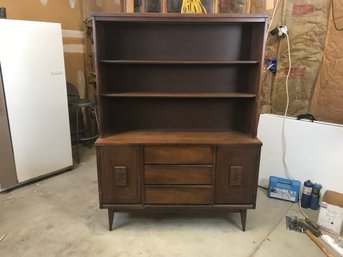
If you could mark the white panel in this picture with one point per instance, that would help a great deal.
(31, 57)
(314, 151)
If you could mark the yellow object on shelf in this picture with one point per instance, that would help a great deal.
(192, 6)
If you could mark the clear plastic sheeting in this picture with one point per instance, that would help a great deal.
(327, 104)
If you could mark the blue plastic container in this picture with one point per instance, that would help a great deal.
(284, 189)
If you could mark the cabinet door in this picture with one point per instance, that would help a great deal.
(236, 175)
(119, 174)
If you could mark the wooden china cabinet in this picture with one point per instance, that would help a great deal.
(178, 102)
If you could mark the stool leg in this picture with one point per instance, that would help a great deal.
(88, 128)
(77, 136)
(96, 120)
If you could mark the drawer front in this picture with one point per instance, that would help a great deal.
(178, 174)
(178, 155)
(178, 195)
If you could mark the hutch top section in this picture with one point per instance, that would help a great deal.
(181, 72)
(216, 38)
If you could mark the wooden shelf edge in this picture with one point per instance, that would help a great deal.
(208, 186)
(157, 137)
(180, 95)
(110, 61)
(178, 17)
(139, 207)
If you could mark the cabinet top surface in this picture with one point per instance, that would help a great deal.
(178, 137)
(175, 17)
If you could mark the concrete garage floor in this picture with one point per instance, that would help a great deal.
(59, 216)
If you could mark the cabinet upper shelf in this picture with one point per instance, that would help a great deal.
(177, 62)
(181, 95)
(180, 39)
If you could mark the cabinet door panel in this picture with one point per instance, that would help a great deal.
(236, 175)
(119, 174)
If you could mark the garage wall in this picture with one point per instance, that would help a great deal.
(102, 6)
(307, 24)
(316, 79)
(67, 12)
(327, 103)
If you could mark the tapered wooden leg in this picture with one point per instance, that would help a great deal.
(243, 218)
(110, 218)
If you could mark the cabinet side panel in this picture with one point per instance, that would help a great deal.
(257, 53)
(8, 175)
(98, 38)
(119, 174)
(236, 175)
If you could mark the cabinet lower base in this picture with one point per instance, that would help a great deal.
(243, 214)
(178, 177)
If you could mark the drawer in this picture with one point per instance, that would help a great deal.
(178, 195)
(178, 174)
(178, 155)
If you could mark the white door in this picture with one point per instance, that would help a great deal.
(32, 64)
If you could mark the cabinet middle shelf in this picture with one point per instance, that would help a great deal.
(179, 95)
(179, 62)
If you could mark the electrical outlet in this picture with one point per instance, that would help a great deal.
(279, 31)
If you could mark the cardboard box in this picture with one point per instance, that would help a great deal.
(331, 212)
